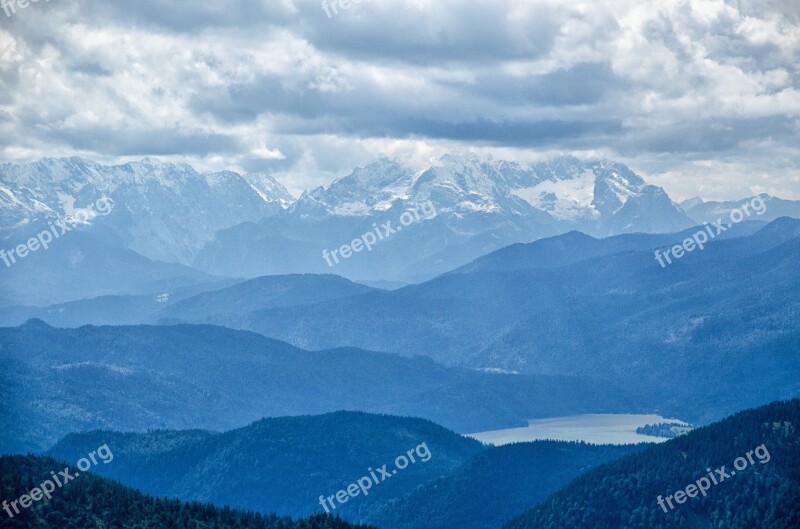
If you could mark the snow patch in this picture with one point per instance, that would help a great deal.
(351, 209)
(563, 199)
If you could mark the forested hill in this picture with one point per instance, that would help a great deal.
(95, 502)
(510, 479)
(623, 494)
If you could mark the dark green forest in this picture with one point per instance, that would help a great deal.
(92, 502)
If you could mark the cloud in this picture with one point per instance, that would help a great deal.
(277, 85)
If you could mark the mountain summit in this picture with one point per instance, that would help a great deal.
(481, 204)
(164, 211)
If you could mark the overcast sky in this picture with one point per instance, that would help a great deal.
(699, 96)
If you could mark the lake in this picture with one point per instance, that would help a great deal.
(595, 428)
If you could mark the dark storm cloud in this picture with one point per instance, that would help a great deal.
(582, 84)
(161, 142)
(711, 136)
(434, 32)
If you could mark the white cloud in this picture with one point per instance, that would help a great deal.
(701, 95)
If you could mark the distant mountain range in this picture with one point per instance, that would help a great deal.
(160, 216)
(56, 381)
(571, 305)
(163, 211)
(594, 307)
(481, 205)
(229, 225)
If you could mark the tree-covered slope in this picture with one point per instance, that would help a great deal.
(281, 465)
(624, 494)
(494, 485)
(92, 502)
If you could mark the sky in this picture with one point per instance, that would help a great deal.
(701, 97)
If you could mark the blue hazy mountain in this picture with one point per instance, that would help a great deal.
(702, 211)
(216, 303)
(624, 494)
(81, 264)
(203, 303)
(262, 293)
(57, 381)
(573, 247)
(618, 315)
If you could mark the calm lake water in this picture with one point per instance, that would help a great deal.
(598, 429)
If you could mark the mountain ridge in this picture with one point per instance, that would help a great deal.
(133, 378)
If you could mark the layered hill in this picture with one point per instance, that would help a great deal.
(220, 301)
(285, 464)
(602, 308)
(134, 378)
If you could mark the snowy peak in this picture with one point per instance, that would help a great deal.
(165, 211)
(572, 190)
(367, 189)
(269, 189)
(691, 203)
(651, 211)
(464, 184)
(564, 189)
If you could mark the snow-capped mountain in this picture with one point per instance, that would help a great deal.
(164, 211)
(481, 205)
(597, 196)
